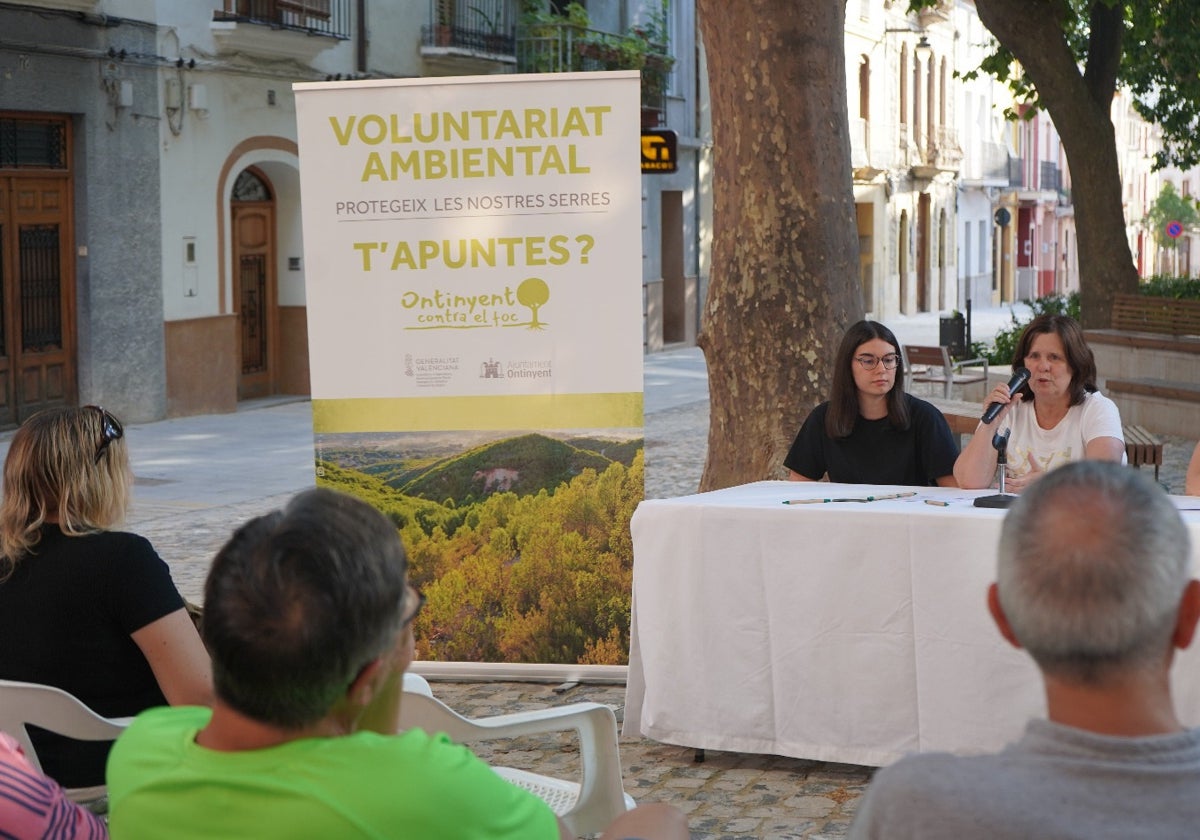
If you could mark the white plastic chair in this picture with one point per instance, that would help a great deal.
(587, 806)
(23, 704)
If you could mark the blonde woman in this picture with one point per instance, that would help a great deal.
(82, 607)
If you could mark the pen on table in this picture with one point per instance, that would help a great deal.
(860, 499)
(936, 502)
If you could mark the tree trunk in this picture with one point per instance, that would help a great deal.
(1080, 105)
(784, 282)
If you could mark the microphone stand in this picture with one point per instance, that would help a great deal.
(1001, 499)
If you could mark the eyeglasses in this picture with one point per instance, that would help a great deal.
(416, 609)
(889, 361)
(110, 430)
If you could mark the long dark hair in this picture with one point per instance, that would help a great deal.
(1079, 355)
(843, 399)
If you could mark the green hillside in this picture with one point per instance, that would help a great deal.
(522, 465)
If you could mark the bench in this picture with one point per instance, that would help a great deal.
(1148, 362)
(1162, 316)
(962, 416)
(1141, 447)
(924, 363)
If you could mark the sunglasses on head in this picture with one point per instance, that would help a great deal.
(110, 430)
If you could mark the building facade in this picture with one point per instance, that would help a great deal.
(151, 255)
(906, 155)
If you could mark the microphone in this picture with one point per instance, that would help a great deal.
(1019, 378)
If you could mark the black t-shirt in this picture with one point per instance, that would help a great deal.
(875, 452)
(66, 617)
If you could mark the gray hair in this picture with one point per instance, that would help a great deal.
(298, 602)
(1093, 560)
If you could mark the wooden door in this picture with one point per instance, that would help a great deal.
(37, 329)
(257, 309)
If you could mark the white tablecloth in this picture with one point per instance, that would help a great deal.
(840, 632)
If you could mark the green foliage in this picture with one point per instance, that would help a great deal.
(1161, 66)
(539, 463)
(566, 42)
(1003, 348)
(1170, 286)
(540, 577)
(492, 24)
(1170, 206)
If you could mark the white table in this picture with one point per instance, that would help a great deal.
(839, 632)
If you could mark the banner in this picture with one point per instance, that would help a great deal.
(473, 282)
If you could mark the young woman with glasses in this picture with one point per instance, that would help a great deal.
(871, 431)
(87, 609)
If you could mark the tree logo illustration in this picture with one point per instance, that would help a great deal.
(533, 293)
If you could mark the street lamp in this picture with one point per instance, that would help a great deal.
(923, 48)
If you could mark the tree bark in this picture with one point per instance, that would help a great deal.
(785, 276)
(1080, 106)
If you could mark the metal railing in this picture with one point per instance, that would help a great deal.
(1048, 176)
(1016, 172)
(316, 17)
(483, 26)
(566, 47)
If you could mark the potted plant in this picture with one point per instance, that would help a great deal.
(646, 50)
(494, 41)
(443, 31)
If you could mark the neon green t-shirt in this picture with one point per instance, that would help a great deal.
(162, 785)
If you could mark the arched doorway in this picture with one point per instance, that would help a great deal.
(252, 213)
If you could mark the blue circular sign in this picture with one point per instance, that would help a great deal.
(1174, 229)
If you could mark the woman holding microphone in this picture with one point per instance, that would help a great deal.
(1055, 417)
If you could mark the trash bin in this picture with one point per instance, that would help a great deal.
(952, 333)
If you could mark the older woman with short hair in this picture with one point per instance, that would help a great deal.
(1056, 417)
(90, 610)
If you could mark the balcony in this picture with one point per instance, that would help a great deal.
(560, 46)
(860, 151)
(465, 37)
(986, 165)
(938, 13)
(1048, 176)
(937, 152)
(1016, 172)
(944, 151)
(295, 29)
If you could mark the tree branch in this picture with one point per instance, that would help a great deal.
(1107, 32)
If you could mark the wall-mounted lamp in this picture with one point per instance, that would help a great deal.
(923, 48)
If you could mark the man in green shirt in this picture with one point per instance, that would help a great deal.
(308, 617)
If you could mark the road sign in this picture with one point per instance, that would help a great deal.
(1174, 229)
(1003, 217)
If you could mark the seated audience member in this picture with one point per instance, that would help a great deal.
(308, 614)
(1193, 473)
(1092, 581)
(1058, 416)
(870, 431)
(33, 807)
(90, 610)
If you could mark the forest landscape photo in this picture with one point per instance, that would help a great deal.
(519, 540)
